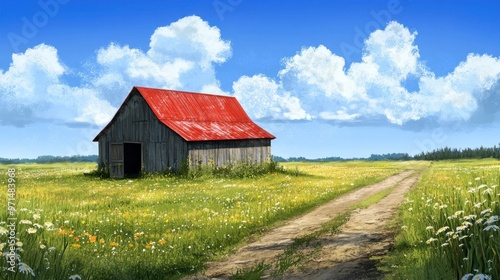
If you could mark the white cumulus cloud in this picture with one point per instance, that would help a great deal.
(262, 98)
(375, 87)
(181, 55)
(313, 84)
(32, 90)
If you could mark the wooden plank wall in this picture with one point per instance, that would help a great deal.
(161, 147)
(223, 153)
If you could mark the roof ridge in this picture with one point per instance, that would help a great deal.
(218, 117)
(186, 92)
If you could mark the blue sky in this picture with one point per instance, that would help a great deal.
(328, 78)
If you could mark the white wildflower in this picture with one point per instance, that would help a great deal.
(470, 217)
(491, 227)
(491, 220)
(458, 213)
(26, 269)
(486, 211)
(25, 222)
(430, 240)
(442, 229)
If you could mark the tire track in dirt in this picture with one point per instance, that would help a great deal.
(348, 255)
(273, 243)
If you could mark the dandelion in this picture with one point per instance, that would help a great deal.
(162, 241)
(138, 234)
(76, 245)
(63, 232)
(113, 244)
(26, 269)
(3, 231)
(442, 229)
(491, 220)
(31, 230)
(92, 238)
(101, 240)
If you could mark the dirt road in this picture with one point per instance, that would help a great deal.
(339, 255)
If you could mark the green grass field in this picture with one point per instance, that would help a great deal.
(70, 225)
(449, 224)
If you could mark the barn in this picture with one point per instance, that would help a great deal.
(156, 130)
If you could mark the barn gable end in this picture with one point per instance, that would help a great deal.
(159, 130)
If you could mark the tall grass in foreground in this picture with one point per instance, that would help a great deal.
(72, 226)
(450, 224)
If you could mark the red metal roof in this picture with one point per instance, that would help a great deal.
(201, 117)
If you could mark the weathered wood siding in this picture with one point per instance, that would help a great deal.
(223, 153)
(135, 122)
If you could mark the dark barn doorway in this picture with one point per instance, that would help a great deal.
(132, 159)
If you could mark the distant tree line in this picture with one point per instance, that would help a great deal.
(50, 159)
(436, 154)
(373, 157)
(467, 153)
